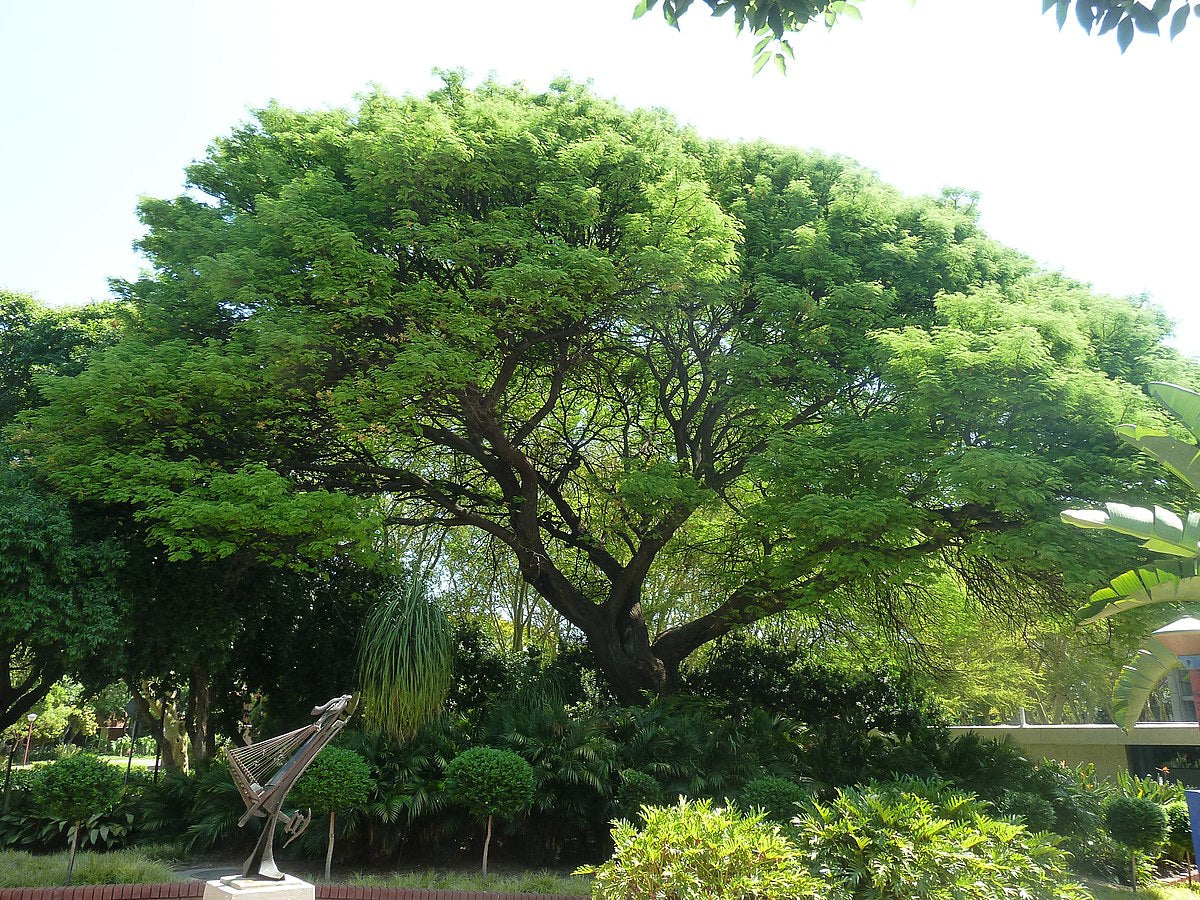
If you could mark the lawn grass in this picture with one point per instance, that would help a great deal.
(524, 883)
(1148, 892)
(20, 869)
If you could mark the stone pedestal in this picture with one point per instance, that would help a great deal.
(235, 887)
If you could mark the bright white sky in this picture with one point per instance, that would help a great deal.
(1085, 159)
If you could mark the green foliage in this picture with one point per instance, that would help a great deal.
(59, 605)
(1161, 792)
(1179, 829)
(405, 661)
(337, 780)
(1137, 822)
(693, 850)
(636, 790)
(78, 787)
(1036, 813)
(776, 798)
(23, 870)
(916, 838)
(490, 782)
(788, 681)
(628, 356)
(772, 21)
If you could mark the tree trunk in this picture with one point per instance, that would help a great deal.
(329, 849)
(199, 711)
(623, 653)
(74, 847)
(167, 732)
(486, 843)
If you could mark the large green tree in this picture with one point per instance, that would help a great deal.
(616, 349)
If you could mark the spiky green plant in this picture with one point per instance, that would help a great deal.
(405, 660)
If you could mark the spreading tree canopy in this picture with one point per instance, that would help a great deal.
(616, 349)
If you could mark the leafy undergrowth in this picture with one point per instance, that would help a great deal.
(524, 883)
(20, 869)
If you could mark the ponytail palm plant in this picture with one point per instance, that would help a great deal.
(1172, 584)
(405, 659)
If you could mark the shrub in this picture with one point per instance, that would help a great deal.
(76, 788)
(1137, 822)
(637, 789)
(919, 838)
(693, 850)
(778, 798)
(490, 782)
(337, 779)
(1179, 829)
(1036, 812)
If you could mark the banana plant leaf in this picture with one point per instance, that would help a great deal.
(1170, 581)
(1138, 679)
(1180, 457)
(1184, 404)
(1160, 529)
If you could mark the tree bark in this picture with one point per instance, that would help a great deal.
(171, 743)
(74, 847)
(486, 843)
(329, 849)
(199, 711)
(622, 650)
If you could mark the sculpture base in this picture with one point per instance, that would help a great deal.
(234, 886)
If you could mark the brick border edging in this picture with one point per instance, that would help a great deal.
(194, 890)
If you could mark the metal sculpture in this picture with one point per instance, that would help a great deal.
(265, 771)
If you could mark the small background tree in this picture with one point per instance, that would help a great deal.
(338, 779)
(1138, 823)
(490, 782)
(76, 788)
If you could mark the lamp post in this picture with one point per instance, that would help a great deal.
(29, 738)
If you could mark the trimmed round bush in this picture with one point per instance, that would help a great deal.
(75, 788)
(337, 779)
(637, 789)
(490, 783)
(693, 850)
(777, 798)
(1138, 823)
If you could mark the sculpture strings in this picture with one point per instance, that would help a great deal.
(265, 771)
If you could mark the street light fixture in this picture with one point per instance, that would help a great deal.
(31, 718)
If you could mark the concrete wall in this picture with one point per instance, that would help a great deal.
(1105, 745)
